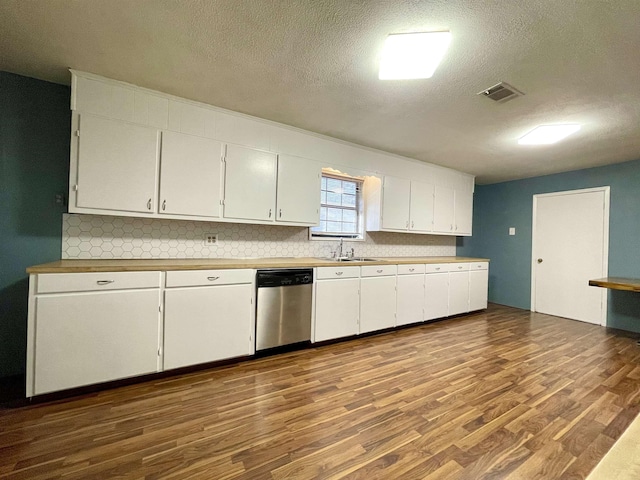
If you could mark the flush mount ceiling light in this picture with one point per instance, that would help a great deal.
(412, 55)
(548, 134)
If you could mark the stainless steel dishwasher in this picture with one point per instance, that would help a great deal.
(283, 307)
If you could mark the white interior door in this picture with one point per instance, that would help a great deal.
(570, 247)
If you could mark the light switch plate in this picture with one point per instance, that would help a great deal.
(512, 230)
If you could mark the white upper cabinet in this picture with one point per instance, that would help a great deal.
(142, 153)
(443, 210)
(250, 184)
(298, 196)
(117, 166)
(421, 208)
(190, 176)
(463, 212)
(395, 203)
(402, 205)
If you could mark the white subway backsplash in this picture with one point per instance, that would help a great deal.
(104, 237)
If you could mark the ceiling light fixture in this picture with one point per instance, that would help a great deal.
(412, 55)
(548, 134)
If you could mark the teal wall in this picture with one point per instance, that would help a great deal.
(34, 165)
(510, 204)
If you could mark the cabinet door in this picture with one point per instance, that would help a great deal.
(298, 198)
(443, 209)
(395, 203)
(458, 292)
(463, 212)
(190, 175)
(337, 308)
(95, 337)
(249, 184)
(436, 295)
(204, 324)
(117, 165)
(410, 305)
(377, 303)
(421, 206)
(478, 288)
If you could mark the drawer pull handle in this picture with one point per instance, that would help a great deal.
(379, 271)
(437, 268)
(212, 279)
(339, 273)
(104, 282)
(149, 205)
(459, 268)
(411, 269)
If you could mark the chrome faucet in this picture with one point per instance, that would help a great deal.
(339, 251)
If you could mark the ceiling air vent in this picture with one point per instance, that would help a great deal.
(501, 92)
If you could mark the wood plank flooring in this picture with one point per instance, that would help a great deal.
(498, 394)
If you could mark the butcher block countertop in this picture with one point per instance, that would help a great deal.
(617, 283)
(76, 266)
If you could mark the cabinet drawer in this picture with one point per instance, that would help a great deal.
(195, 278)
(324, 273)
(379, 270)
(479, 266)
(459, 267)
(412, 269)
(84, 282)
(436, 267)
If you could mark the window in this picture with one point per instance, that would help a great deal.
(340, 208)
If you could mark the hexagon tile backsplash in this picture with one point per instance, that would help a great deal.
(97, 236)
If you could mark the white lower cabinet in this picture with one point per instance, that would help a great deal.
(85, 338)
(377, 303)
(436, 292)
(87, 328)
(337, 304)
(478, 286)
(208, 316)
(458, 288)
(410, 294)
(205, 324)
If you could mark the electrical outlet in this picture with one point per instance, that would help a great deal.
(512, 230)
(210, 239)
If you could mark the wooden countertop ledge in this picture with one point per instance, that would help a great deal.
(77, 266)
(617, 283)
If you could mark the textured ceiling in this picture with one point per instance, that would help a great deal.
(313, 64)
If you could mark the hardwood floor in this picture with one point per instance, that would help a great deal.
(499, 394)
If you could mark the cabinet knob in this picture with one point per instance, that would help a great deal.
(539, 260)
(149, 204)
(164, 205)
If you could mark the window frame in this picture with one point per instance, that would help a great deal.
(360, 234)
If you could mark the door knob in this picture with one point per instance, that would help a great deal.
(539, 260)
